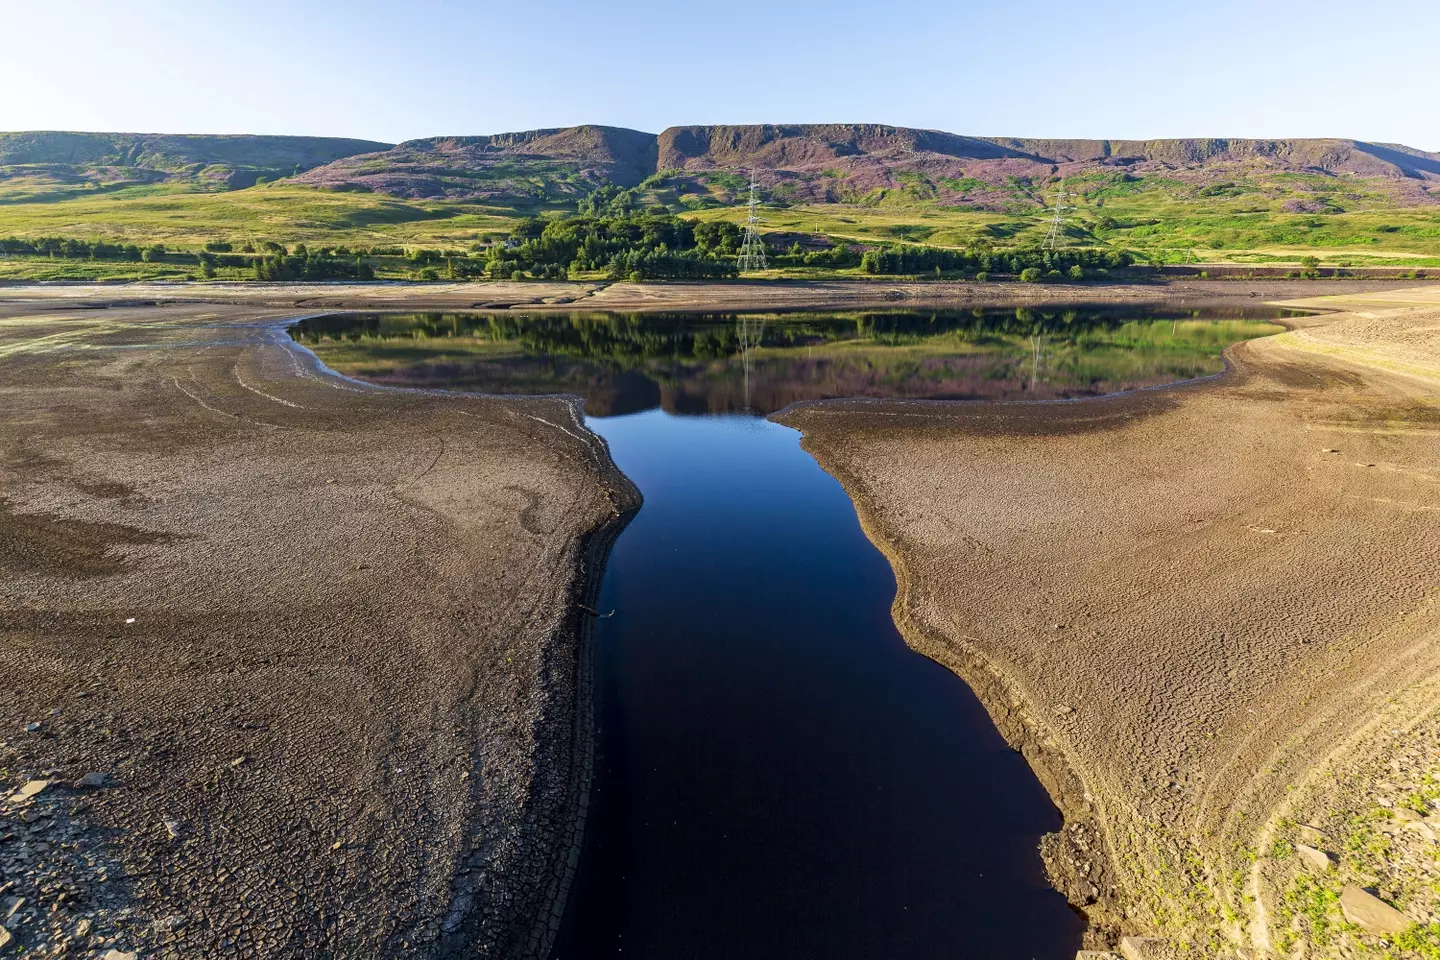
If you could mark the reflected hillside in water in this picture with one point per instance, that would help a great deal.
(693, 363)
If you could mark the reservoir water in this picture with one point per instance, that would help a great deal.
(777, 774)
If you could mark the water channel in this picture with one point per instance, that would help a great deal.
(778, 775)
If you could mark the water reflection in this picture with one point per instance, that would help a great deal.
(757, 363)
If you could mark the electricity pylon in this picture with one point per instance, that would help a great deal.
(1057, 219)
(752, 250)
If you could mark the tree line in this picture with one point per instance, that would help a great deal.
(644, 245)
(1027, 263)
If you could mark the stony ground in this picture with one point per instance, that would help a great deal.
(677, 295)
(287, 664)
(1180, 604)
(1366, 827)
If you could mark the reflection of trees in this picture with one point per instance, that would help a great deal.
(717, 336)
(705, 336)
(720, 362)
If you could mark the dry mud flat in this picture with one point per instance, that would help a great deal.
(1202, 613)
(287, 665)
(676, 295)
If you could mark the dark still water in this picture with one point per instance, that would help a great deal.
(778, 775)
(759, 363)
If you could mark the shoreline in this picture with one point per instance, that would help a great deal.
(595, 556)
(682, 296)
(849, 442)
(1087, 860)
(295, 550)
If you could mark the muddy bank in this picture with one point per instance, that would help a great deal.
(733, 295)
(295, 659)
(1178, 603)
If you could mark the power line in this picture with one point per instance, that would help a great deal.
(752, 250)
(1057, 219)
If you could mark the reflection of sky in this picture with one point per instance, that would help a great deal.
(769, 747)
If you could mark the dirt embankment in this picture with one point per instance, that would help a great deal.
(678, 295)
(1183, 605)
(289, 663)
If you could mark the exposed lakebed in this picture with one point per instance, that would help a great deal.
(777, 773)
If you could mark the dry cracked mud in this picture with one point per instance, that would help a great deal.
(319, 638)
(1183, 605)
(293, 666)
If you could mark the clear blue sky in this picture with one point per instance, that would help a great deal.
(391, 71)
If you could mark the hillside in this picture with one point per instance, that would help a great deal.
(535, 165)
(52, 165)
(1349, 202)
(871, 164)
(863, 163)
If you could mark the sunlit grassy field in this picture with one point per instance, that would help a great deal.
(1245, 223)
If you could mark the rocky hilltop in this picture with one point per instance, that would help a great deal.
(506, 167)
(840, 162)
(820, 163)
(698, 166)
(224, 162)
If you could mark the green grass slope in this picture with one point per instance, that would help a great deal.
(1347, 202)
(56, 165)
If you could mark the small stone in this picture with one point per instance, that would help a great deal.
(1385, 802)
(1096, 955)
(94, 780)
(1146, 948)
(12, 906)
(33, 726)
(1370, 913)
(1313, 835)
(1405, 815)
(237, 761)
(172, 827)
(1064, 709)
(5, 938)
(336, 845)
(32, 788)
(1422, 828)
(82, 929)
(1314, 858)
(113, 954)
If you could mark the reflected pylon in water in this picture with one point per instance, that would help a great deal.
(1037, 352)
(749, 330)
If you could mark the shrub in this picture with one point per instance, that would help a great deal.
(1077, 272)
(983, 276)
(1030, 275)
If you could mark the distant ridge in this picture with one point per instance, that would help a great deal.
(798, 163)
(843, 162)
(224, 161)
(528, 165)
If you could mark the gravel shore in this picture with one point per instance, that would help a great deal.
(290, 663)
(295, 666)
(1180, 604)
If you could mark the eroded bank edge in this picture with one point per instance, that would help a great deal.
(568, 670)
(1078, 857)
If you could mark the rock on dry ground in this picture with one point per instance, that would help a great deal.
(288, 663)
(1226, 583)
